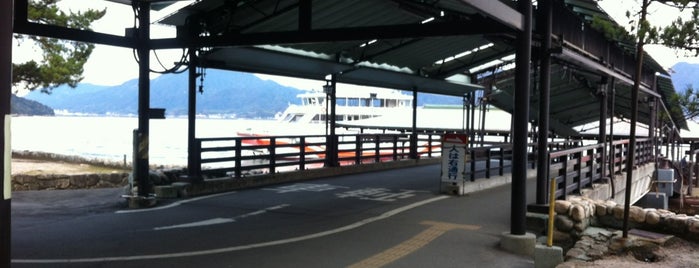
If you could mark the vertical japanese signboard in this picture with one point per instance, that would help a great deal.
(454, 157)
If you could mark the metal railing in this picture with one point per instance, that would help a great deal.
(241, 156)
(577, 168)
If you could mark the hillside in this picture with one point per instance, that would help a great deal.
(22, 106)
(232, 93)
(238, 94)
(684, 74)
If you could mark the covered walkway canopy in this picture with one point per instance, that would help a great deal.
(451, 47)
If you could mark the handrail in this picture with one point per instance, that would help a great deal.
(577, 168)
(240, 156)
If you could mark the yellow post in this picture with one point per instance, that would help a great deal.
(552, 204)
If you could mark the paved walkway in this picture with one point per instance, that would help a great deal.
(427, 230)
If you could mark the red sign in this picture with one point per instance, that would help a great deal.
(455, 138)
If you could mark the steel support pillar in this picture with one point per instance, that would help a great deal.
(413, 137)
(542, 165)
(331, 157)
(193, 149)
(143, 50)
(472, 135)
(518, 209)
(7, 18)
(603, 125)
(612, 155)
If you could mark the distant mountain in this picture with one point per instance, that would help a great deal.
(224, 92)
(684, 74)
(233, 93)
(22, 106)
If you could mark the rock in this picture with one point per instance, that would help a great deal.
(600, 209)
(577, 212)
(652, 217)
(595, 254)
(563, 223)
(580, 226)
(610, 209)
(693, 225)
(677, 224)
(559, 236)
(63, 183)
(637, 214)
(618, 212)
(562, 206)
(576, 254)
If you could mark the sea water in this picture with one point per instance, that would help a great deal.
(111, 138)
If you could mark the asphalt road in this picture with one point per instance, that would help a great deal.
(391, 218)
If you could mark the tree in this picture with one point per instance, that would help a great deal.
(687, 102)
(61, 60)
(681, 34)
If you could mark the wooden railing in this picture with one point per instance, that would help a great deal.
(577, 168)
(241, 156)
(500, 154)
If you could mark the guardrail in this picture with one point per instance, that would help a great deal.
(577, 168)
(240, 156)
(502, 154)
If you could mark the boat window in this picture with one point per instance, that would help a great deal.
(377, 103)
(312, 101)
(296, 117)
(365, 102)
(339, 118)
(354, 102)
(341, 102)
(316, 118)
(391, 103)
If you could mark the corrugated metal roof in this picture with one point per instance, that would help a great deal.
(403, 62)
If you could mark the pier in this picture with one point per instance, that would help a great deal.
(486, 52)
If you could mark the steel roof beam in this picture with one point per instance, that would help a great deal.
(332, 35)
(53, 31)
(599, 67)
(499, 11)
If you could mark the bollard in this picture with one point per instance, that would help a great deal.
(552, 203)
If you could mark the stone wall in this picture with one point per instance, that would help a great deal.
(62, 182)
(575, 216)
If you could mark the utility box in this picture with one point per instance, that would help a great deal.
(454, 158)
(666, 181)
(656, 200)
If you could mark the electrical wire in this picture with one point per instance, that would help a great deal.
(176, 68)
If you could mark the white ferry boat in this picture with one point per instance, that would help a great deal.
(350, 106)
(373, 108)
(355, 105)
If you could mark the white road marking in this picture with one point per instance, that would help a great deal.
(173, 204)
(238, 248)
(221, 220)
(304, 187)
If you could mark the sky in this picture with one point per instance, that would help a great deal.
(113, 66)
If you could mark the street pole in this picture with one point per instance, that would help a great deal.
(518, 209)
(542, 169)
(7, 17)
(141, 165)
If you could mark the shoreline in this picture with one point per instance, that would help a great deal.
(47, 171)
